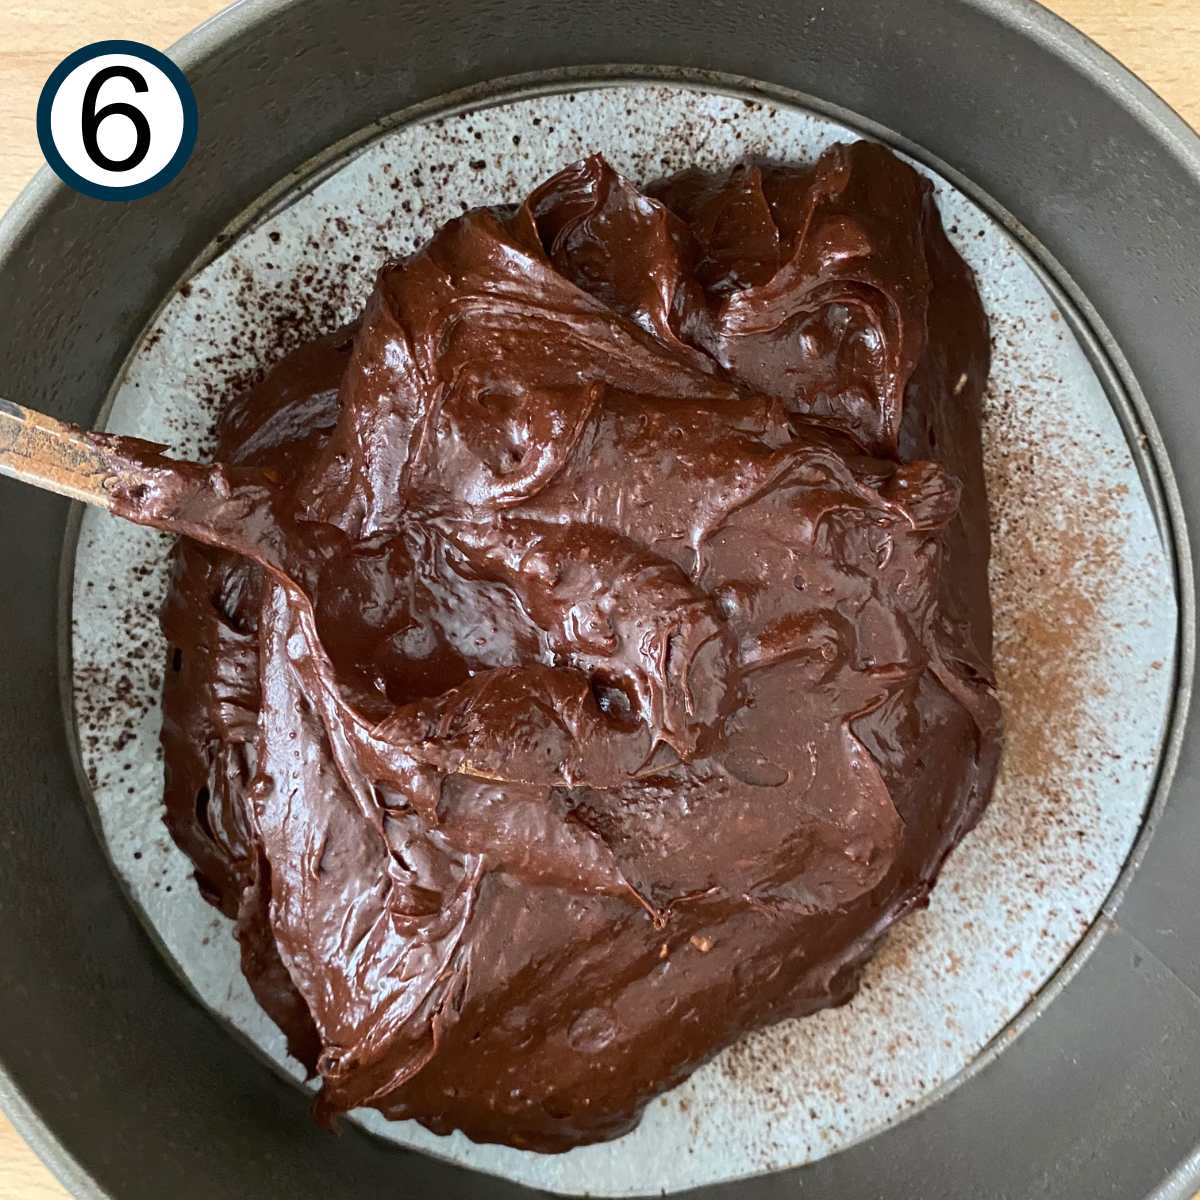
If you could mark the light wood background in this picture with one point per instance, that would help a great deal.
(1158, 39)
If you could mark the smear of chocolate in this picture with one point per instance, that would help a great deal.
(587, 657)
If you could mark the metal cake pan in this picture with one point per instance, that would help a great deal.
(130, 1089)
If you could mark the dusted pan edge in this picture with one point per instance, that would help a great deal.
(1048, 31)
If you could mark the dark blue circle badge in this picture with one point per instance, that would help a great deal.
(117, 120)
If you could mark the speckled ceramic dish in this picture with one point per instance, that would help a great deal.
(1085, 621)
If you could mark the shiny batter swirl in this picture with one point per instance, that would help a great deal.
(586, 657)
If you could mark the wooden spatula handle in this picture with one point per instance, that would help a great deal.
(51, 454)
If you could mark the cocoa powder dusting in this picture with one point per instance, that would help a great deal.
(1055, 529)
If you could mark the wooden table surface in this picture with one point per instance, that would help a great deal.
(1157, 39)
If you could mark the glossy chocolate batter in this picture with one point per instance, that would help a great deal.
(590, 654)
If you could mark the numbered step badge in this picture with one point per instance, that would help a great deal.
(117, 120)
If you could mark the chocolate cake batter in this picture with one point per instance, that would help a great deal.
(586, 658)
